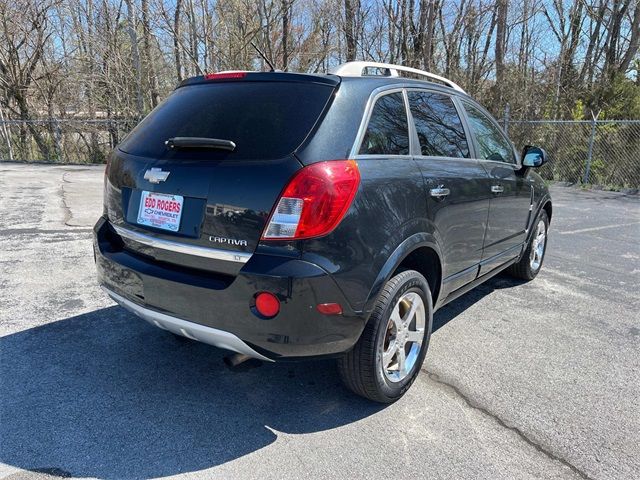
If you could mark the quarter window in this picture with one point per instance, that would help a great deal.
(492, 143)
(388, 131)
(438, 125)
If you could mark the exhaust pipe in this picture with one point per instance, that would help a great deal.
(239, 362)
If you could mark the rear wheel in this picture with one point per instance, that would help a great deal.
(531, 261)
(387, 358)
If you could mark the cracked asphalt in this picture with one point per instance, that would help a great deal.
(522, 380)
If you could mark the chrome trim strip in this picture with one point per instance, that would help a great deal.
(403, 87)
(215, 253)
(380, 156)
(195, 331)
(413, 134)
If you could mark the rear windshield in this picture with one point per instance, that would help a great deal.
(266, 120)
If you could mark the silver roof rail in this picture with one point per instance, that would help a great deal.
(356, 69)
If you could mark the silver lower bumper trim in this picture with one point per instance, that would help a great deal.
(215, 253)
(195, 331)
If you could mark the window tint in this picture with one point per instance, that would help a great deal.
(492, 143)
(438, 125)
(388, 131)
(266, 120)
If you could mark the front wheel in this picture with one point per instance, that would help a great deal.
(530, 263)
(389, 354)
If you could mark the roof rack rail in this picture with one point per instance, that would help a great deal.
(356, 69)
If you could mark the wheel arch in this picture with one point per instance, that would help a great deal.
(419, 252)
(547, 207)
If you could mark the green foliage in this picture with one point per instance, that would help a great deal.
(577, 113)
(618, 98)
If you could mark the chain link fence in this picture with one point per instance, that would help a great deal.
(598, 152)
(61, 141)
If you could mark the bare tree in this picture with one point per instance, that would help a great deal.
(118, 58)
(351, 8)
(25, 34)
(135, 55)
(151, 71)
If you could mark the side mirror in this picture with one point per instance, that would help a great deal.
(533, 156)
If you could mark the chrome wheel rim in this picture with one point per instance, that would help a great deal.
(403, 337)
(537, 246)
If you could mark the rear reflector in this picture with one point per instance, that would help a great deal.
(267, 304)
(329, 308)
(225, 76)
(315, 201)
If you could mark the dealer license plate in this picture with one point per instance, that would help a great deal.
(160, 210)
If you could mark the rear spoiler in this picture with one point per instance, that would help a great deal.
(243, 76)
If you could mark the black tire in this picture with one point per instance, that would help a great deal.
(523, 268)
(361, 369)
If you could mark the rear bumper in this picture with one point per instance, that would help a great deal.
(217, 308)
(212, 336)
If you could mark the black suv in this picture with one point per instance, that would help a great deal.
(282, 215)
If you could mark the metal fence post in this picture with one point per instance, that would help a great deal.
(7, 135)
(505, 120)
(587, 168)
(57, 134)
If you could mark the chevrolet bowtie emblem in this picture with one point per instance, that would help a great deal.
(156, 175)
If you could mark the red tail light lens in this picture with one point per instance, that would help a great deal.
(315, 201)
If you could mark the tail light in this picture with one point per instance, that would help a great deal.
(315, 201)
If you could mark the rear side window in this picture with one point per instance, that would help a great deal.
(492, 143)
(266, 120)
(438, 125)
(388, 130)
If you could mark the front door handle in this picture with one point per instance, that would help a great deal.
(497, 189)
(440, 192)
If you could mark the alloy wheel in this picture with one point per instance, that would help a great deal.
(537, 246)
(403, 337)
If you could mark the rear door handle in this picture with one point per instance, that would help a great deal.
(497, 189)
(439, 192)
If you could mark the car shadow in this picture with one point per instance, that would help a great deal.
(106, 395)
(450, 311)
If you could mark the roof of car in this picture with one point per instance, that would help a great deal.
(365, 82)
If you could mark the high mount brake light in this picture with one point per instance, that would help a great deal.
(225, 76)
(314, 201)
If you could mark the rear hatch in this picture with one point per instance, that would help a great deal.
(205, 206)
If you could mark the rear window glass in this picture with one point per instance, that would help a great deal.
(266, 120)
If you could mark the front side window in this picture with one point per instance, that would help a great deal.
(388, 130)
(438, 125)
(491, 142)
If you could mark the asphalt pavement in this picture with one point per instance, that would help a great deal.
(522, 380)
